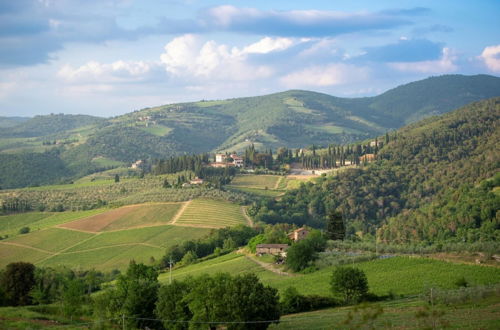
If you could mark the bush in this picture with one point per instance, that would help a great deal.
(350, 284)
(293, 302)
(24, 230)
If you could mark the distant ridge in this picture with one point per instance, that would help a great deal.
(293, 118)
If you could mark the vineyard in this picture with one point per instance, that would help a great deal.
(211, 214)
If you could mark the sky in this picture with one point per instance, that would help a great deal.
(110, 57)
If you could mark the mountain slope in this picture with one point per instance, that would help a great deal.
(293, 119)
(424, 185)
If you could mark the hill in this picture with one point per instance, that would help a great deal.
(293, 119)
(436, 180)
(11, 121)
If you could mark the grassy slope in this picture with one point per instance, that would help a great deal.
(211, 213)
(400, 275)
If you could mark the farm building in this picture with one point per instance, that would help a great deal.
(274, 249)
(196, 181)
(367, 158)
(299, 234)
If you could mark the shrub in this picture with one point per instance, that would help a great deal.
(24, 230)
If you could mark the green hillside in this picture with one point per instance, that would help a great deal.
(433, 181)
(293, 119)
(11, 121)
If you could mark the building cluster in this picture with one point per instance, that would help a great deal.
(280, 249)
(224, 160)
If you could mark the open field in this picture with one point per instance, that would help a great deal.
(399, 314)
(10, 224)
(256, 181)
(127, 217)
(211, 214)
(400, 275)
(52, 239)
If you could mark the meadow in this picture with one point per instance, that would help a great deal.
(256, 181)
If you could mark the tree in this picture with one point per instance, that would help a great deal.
(17, 282)
(135, 297)
(335, 228)
(349, 283)
(117, 178)
(300, 255)
(171, 305)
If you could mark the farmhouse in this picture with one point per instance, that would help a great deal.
(299, 234)
(367, 158)
(196, 181)
(137, 164)
(221, 160)
(237, 161)
(274, 249)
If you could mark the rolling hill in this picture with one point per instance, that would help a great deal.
(293, 119)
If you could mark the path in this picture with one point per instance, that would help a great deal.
(247, 217)
(267, 266)
(278, 183)
(179, 213)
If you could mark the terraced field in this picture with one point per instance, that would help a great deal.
(127, 217)
(207, 213)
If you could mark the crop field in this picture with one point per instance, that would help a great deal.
(400, 275)
(256, 181)
(157, 236)
(127, 217)
(52, 239)
(399, 314)
(211, 214)
(13, 253)
(105, 259)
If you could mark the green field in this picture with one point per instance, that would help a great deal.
(399, 314)
(52, 239)
(211, 214)
(255, 181)
(400, 275)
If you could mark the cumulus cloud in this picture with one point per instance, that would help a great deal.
(445, 64)
(329, 75)
(188, 55)
(491, 57)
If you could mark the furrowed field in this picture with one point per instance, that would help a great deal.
(211, 214)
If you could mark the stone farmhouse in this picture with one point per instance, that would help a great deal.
(299, 234)
(273, 249)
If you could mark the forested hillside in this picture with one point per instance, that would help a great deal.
(293, 119)
(434, 180)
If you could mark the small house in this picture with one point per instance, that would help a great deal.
(220, 158)
(298, 234)
(197, 181)
(273, 249)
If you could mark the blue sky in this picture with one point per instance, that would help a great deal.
(109, 57)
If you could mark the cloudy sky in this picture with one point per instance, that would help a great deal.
(108, 57)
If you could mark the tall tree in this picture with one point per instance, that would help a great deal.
(335, 228)
(17, 282)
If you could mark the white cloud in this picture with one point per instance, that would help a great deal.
(188, 56)
(491, 57)
(119, 71)
(330, 75)
(444, 65)
(268, 45)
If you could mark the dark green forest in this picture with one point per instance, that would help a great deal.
(433, 181)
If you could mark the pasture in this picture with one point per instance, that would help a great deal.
(210, 213)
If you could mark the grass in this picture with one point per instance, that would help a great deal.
(255, 181)
(52, 239)
(158, 130)
(211, 213)
(10, 253)
(127, 217)
(12, 223)
(159, 236)
(106, 162)
(399, 314)
(400, 275)
(105, 259)
(258, 191)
